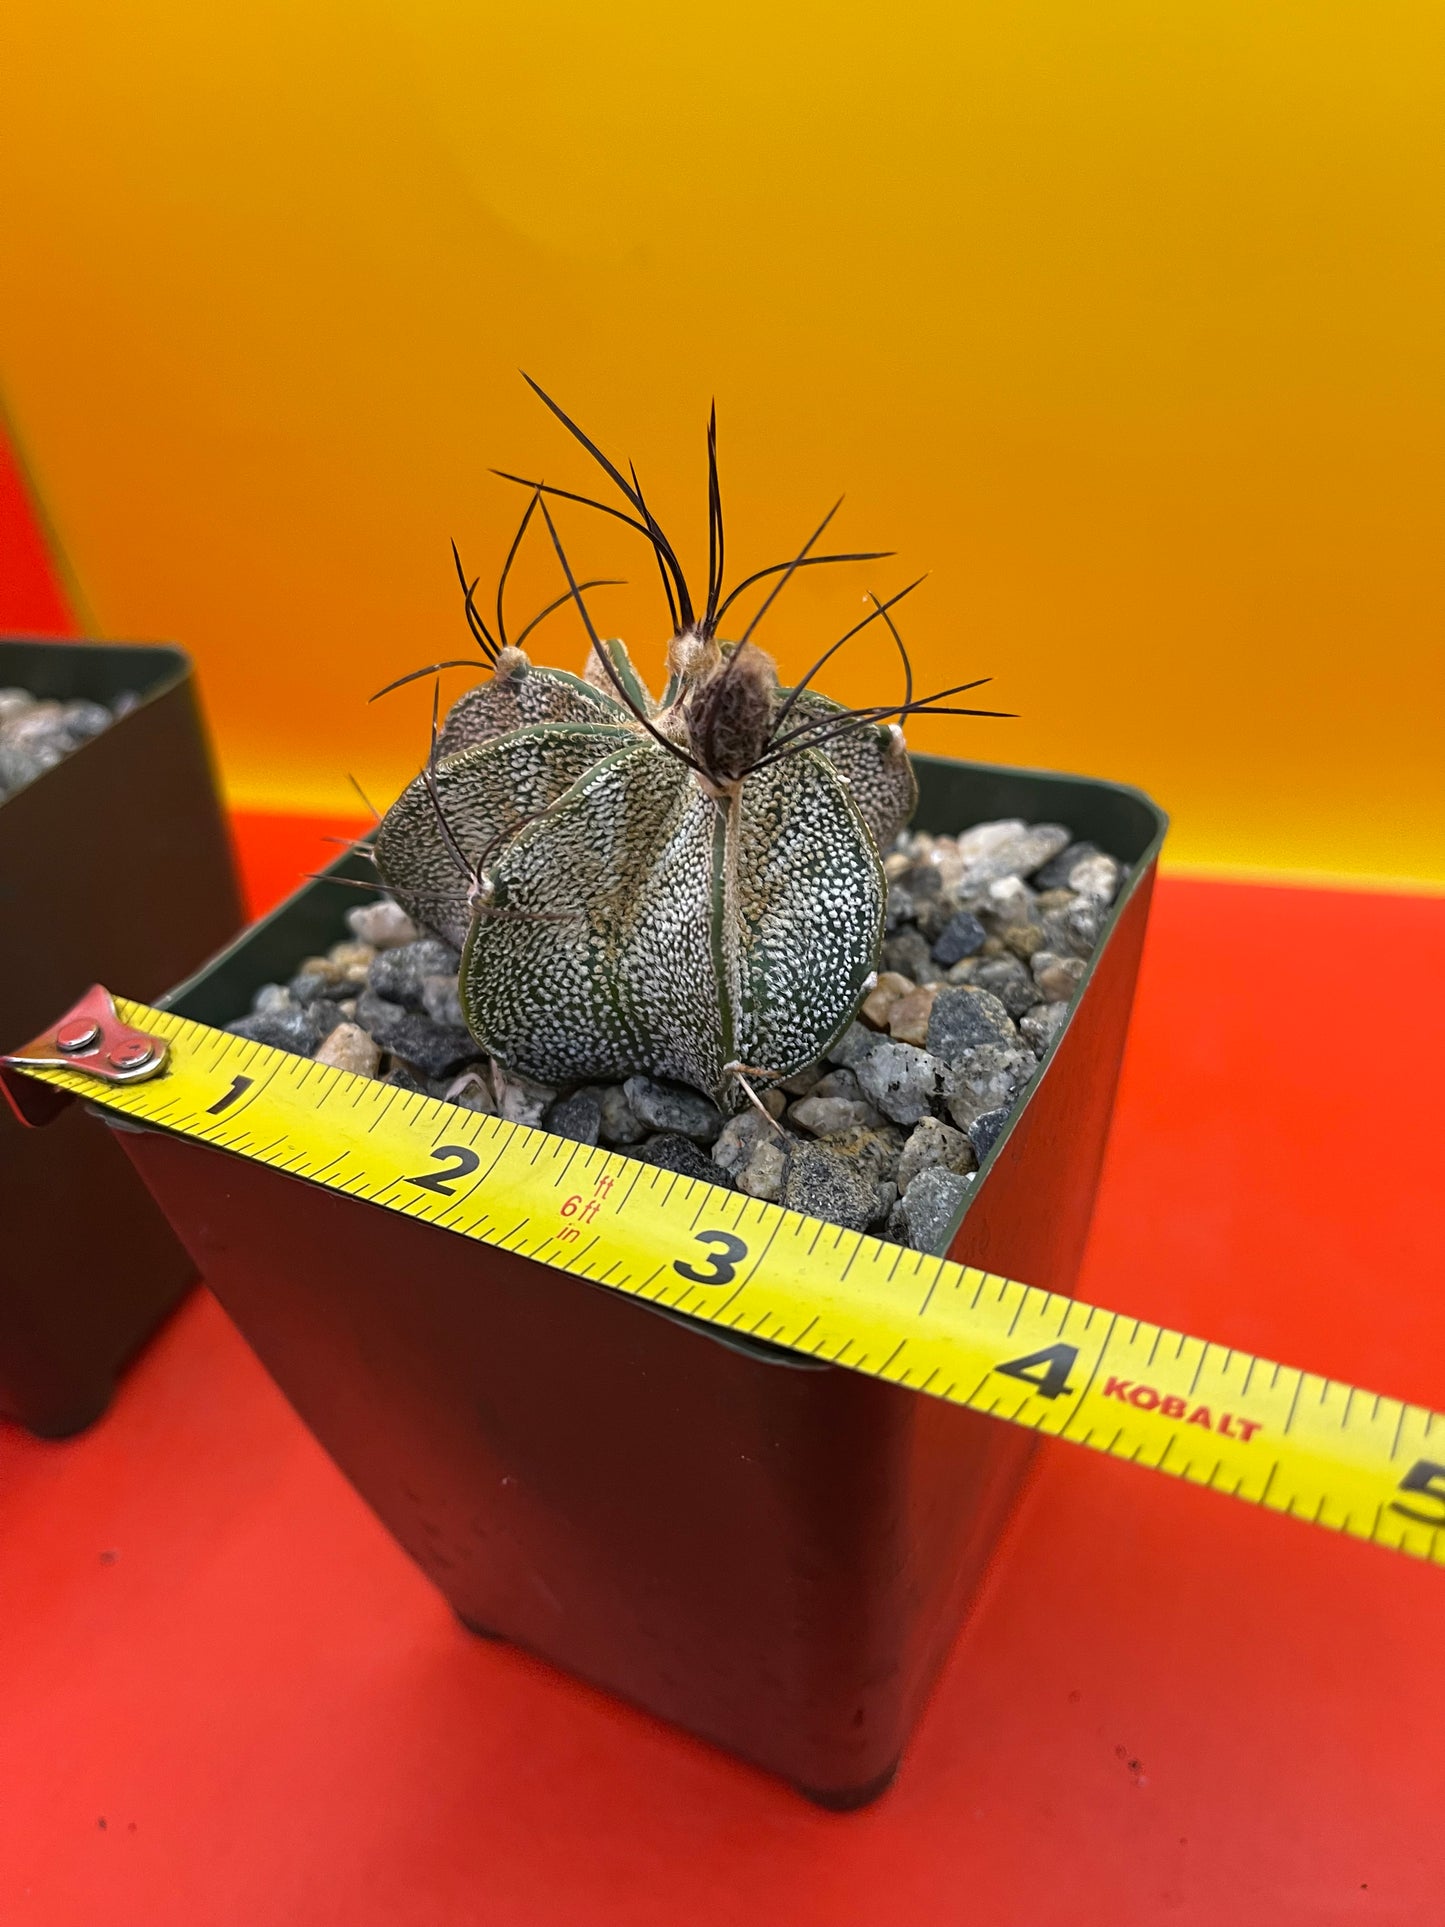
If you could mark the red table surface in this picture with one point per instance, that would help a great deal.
(226, 1697)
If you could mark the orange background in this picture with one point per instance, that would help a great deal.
(1123, 320)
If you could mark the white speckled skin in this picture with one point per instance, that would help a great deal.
(629, 913)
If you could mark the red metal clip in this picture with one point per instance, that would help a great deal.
(94, 1038)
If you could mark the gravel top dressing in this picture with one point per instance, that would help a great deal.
(989, 934)
(36, 734)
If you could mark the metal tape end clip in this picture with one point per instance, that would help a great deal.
(92, 1038)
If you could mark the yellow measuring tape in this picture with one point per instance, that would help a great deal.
(1353, 1461)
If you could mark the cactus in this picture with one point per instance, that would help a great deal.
(690, 888)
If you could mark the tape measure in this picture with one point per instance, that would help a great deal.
(1352, 1461)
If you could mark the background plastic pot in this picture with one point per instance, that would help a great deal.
(115, 867)
(773, 1553)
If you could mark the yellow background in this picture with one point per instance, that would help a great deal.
(1125, 320)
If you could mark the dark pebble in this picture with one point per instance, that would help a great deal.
(1055, 873)
(962, 1018)
(402, 1079)
(293, 1027)
(823, 1185)
(1011, 982)
(984, 1131)
(671, 1151)
(435, 1049)
(856, 1043)
(400, 975)
(930, 1205)
(960, 937)
(667, 1107)
(1042, 1025)
(372, 1010)
(578, 1116)
(308, 985)
(908, 953)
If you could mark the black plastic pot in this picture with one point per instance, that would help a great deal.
(114, 865)
(773, 1553)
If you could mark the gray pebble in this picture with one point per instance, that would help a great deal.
(1096, 879)
(307, 985)
(984, 1131)
(620, 1123)
(826, 1116)
(1057, 977)
(671, 1151)
(922, 881)
(1007, 905)
(1042, 1024)
(85, 720)
(957, 854)
(274, 997)
(384, 925)
(933, 1142)
(763, 1174)
(1018, 855)
(294, 1027)
(962, 1018)
(1073, 932)
(441, 1000)
(856, 1043)
(960, 937)
(739, 1138)
(900, 1079)
(400, 974)
(20, 764)
(986, 1077)
(842, 1082)
(1054, 875)
(930, 1205)
(42, 721)
(901, 907)
(673, 1107)
(822, 1184)
(1011, 982)
(578, 1116)
(909, 954)
(376, 1013)
(436, 1050)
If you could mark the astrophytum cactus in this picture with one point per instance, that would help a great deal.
(689, 888)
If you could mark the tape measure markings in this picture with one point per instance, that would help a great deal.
(1299, 1444)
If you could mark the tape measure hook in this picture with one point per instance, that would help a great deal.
(92, 1038)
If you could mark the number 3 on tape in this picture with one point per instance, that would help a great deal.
(722, 1264)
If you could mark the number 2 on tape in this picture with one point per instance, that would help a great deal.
(463, 1163)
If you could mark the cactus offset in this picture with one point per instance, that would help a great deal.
(692, 888)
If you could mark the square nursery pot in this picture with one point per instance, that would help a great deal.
(114, 865)
(773, 1553)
